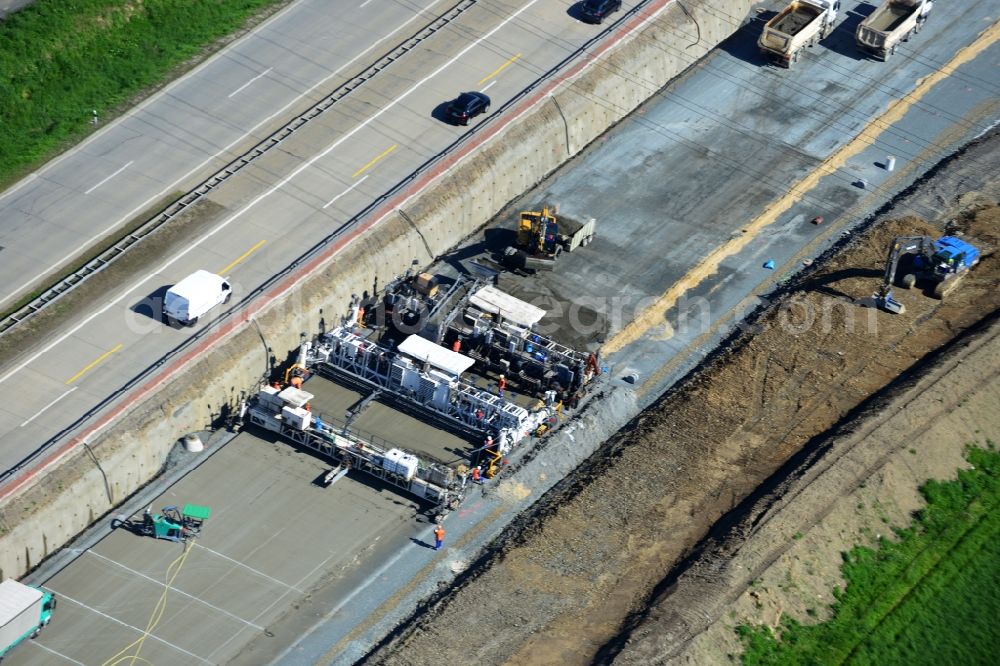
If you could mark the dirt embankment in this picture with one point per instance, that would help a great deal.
(784, 557)
(569, 577)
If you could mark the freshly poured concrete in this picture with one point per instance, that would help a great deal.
(385, 426)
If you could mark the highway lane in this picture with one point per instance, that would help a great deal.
(194, 126)
(287, 200)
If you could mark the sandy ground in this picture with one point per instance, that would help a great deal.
(575, 577)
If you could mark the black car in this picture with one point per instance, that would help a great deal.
(595, 11)
(466, 106)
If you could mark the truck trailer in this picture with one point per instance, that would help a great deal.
(802, 23)
(894, 22)
(24, 610)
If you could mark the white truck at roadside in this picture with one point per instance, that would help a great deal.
(195, 295)
(894, 22)
(24, 610)
(802, 23)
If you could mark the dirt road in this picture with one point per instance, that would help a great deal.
(571, 579)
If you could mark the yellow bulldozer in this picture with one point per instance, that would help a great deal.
(541, 238)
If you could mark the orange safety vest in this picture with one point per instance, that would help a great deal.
(475, 473)
(439, 533)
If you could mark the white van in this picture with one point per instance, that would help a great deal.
(193, 296)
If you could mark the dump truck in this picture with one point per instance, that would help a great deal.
(894, 22)
(802, 23)
(541, 238)
(24, 611)
(194, 296)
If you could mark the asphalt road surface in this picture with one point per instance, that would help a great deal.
(323, 175)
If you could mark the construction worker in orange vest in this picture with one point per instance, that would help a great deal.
(438, 537)
(477, 475)
(501, 384)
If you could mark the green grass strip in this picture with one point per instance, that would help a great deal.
(932, 597)
(62, 59)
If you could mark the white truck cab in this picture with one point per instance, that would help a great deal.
(195, 295)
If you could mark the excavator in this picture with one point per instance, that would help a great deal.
(942, 262)
(541, 238)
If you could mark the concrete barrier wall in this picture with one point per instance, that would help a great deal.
(538, 135)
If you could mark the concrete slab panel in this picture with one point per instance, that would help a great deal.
(273, 534)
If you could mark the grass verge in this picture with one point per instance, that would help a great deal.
(60, 60)
(930, 597)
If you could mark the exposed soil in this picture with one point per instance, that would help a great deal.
(569, 581)
(866, 481)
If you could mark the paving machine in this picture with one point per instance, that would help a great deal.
(541, 238)
(942, 262)
(172, 523)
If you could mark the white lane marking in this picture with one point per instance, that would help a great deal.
(169, 188)
(282, 596)
(327, 204)
(249, 568)
(129, 626)
(260, 197)
(174, 589)
(489, 85)
(242, 87)
(58, 654)
(24, 181)
(39, 412)
(130, 162)
(364, 3)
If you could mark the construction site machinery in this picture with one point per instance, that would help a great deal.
(467, 316)
(541, 238)
(284, 413)
(802, 23)
(941, 262)
(24, 611)
(894, 22)
(172, 523)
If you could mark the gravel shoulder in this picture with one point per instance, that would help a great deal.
(584, 575)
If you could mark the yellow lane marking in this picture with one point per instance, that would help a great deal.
(242, 257)
(93, 363)
(372, 163)
(655, 315)
(500, 69)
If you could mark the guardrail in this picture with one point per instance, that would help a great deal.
(106, 257)
(312, 251)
